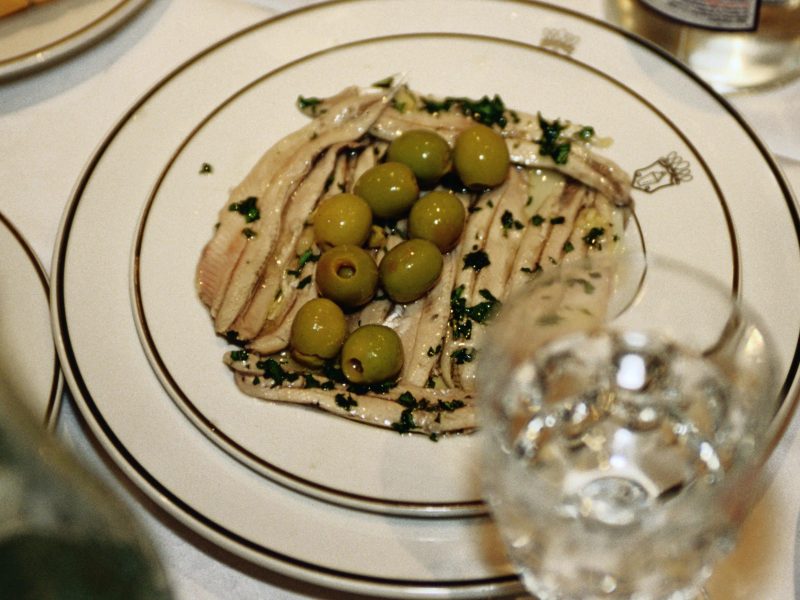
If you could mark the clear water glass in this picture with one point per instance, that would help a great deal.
(626, 410)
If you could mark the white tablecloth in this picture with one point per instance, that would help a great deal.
(50, 123)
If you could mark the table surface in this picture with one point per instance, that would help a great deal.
(43, 155)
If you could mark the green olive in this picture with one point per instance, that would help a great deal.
(347, 275)
(425, 152)
(372, 354)
(481, 157)
(389, 188)
(318, 331)
(342, 219)
(439, 218)
(410, 269)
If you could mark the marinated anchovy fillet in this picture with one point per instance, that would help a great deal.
(560, 200)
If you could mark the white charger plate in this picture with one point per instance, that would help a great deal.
(29, 371)
(700, 164)
(42, 34)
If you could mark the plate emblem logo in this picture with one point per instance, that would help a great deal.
(664, 172)
(559, 40)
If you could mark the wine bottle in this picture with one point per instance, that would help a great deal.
(737, 45)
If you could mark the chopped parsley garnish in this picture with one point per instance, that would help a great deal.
(568, 247)
(306, 257)
(462, 316)
(273, 370)
(334, 374)
(537, 268)
(551, 143)
(345, 402)
(507, 221)
(310, 104)
(551, 319)
(406, 422)
(407, 399)
(239, 355)
(384, 83)
(410, 404)
(248, 233)
(587, 285)
(594, 235)
(463, 355)
(247, 208)
(311, 381)
(489, 111)
(476, 260)
(557, 220)
(537, 220)
(304, 282)
(586, 133)
(434, 351)
(206, 169)
(232, 337)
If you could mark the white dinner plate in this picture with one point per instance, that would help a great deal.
(29, 371)
(166, 409)
(42, 34)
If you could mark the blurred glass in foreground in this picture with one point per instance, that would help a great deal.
(626, 414)
(63, 535)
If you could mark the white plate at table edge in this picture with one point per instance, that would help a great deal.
(177, 369)
(73, 33)
(43, 406)
(154, 488)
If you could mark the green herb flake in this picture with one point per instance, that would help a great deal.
(407, 399)
(463, 355)
(568, 247)
(247, 208)
(434, 351)
(557, 220)
(232, 337)
(537, 220)
(307, 257)
(536, 269)
(489, 111)
(586, 133)
(239, 355)
(398, 105)
(304, 282)
(345, 402)
(588, 288)
(384, 83)
(462, 316)
(248, 233)
(552, 143)
(273, 370)
(406, 422)
(549, 320)
(309, 104)
(507, 221)
(476, 260)
(593, 237)
(311, 381)
(206, 169)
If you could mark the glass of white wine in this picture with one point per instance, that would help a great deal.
(627, 407)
